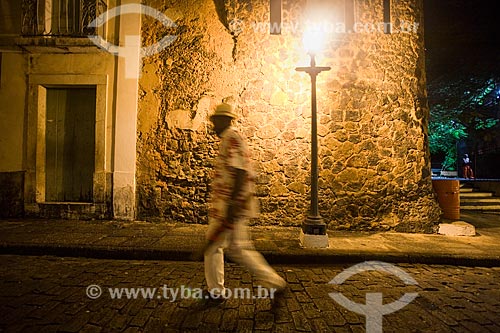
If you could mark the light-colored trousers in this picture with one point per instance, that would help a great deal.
(240, 249)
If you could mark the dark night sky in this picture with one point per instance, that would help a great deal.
(462, 36)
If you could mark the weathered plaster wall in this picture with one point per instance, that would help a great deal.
(12, 100)
(12, 119)
(374, 161)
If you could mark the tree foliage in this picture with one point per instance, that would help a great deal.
(462, 108)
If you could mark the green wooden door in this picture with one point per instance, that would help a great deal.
(70, 144)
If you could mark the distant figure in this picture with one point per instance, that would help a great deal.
(232, 203)
(468, 174)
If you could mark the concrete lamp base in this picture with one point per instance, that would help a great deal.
(458, 228)
(313, 241)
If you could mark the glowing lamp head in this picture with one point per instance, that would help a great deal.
(313, 40)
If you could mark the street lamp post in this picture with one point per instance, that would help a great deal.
(314, 225)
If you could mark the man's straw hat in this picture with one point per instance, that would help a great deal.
(225, 110)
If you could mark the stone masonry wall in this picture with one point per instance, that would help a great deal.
(372, 109)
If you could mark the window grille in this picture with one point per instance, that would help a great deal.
(61, 17)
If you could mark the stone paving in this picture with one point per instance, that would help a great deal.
(280, 245)
(49, 294)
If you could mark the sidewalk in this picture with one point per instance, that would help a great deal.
(167, 241)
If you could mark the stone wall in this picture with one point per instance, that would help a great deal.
(372, 108)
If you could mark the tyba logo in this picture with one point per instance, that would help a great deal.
(132, 51)
(373, 309)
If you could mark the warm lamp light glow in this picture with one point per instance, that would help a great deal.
(313, 40)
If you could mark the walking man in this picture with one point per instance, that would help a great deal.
(232, 203)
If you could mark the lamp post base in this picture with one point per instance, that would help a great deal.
(313, 241)
(314, 225)
(313, 233)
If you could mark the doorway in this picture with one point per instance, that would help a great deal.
(70, 144)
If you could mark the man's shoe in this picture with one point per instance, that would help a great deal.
(210, 299)
(279, 287)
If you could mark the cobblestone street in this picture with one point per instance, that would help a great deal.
(48, 294)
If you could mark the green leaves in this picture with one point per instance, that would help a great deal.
(443, 138)
(461, 108)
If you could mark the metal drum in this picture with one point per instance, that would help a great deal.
(448, 193)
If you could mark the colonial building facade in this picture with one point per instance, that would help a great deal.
(83, 137)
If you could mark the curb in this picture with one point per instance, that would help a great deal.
(294, 257)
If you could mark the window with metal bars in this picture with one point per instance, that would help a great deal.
(60, 17)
